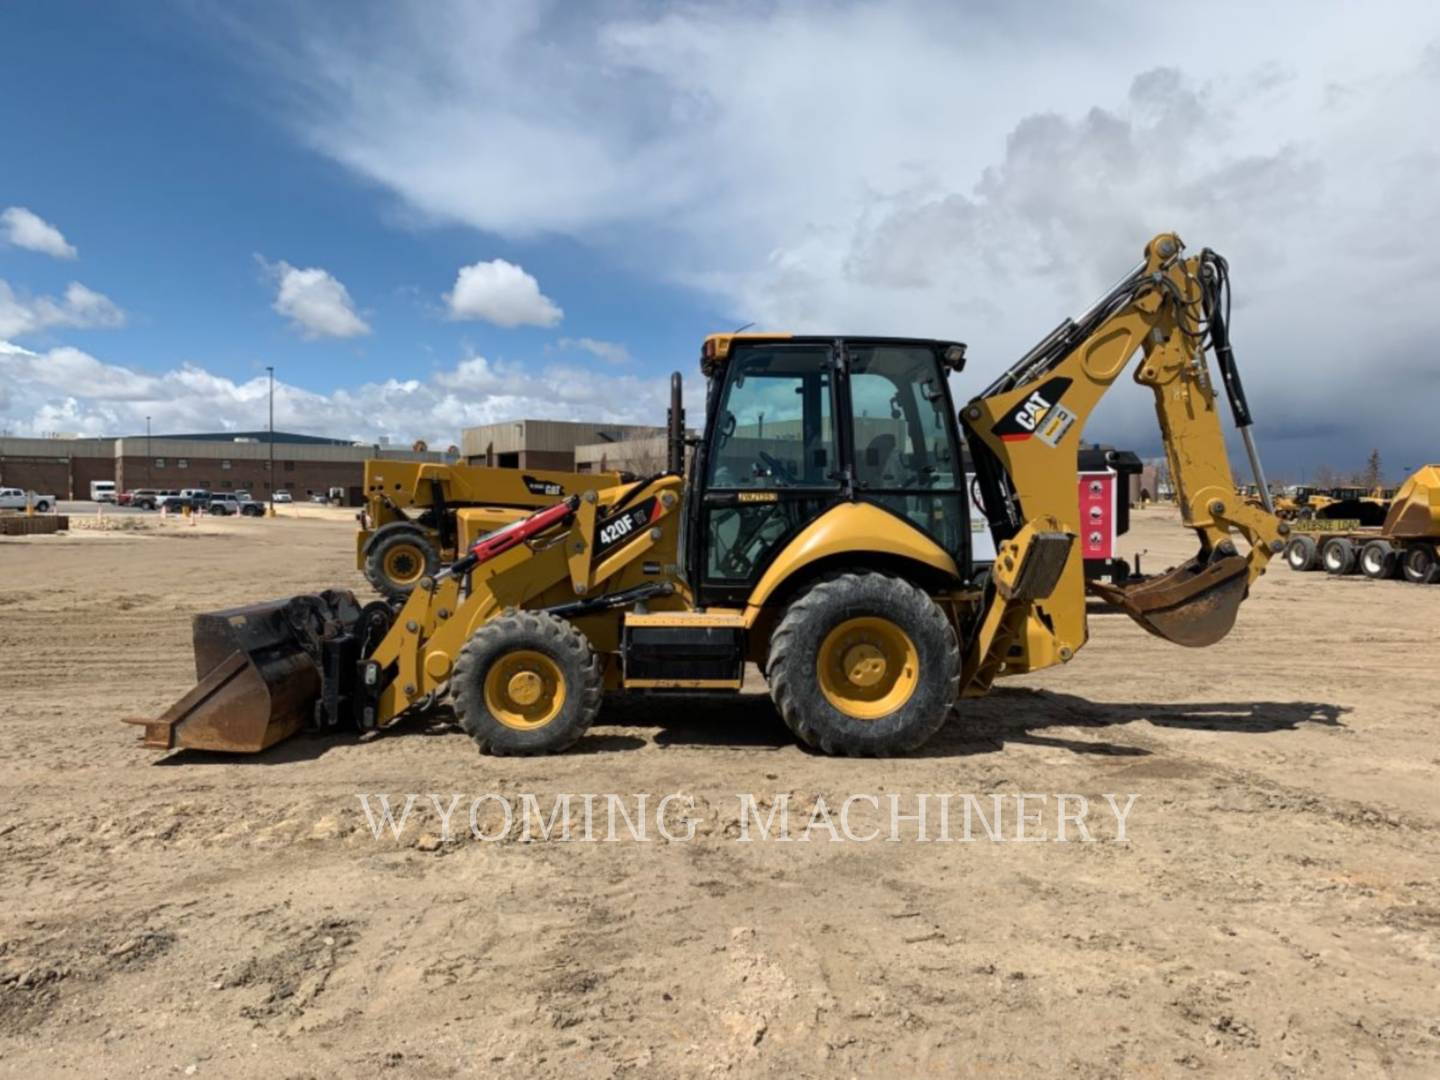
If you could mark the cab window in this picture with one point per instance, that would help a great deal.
(906, 457)
(774, 427)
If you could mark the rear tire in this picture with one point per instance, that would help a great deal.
(1339, 556)
(864, 664)
(1377, 560)
(526, 683)
(1302, 554)
(1419, 565)
(398, 559)
(42, 507)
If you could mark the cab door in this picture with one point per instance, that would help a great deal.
(771, 465)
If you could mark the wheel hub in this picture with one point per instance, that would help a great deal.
(867, 667)
(864, 665)
(524, 689)
(403, 564)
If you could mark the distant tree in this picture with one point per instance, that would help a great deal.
(1374, 474)
(452, 450)
(420, 446)
(1324, 477)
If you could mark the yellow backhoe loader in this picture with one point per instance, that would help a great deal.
(821, 532)
(419, 516)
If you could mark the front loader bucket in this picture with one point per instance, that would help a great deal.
(258, 672)
(1193, 604)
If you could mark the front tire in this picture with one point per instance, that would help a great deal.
(398, 559)
(526, 682)
(864, 664)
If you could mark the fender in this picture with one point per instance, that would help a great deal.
(849, 529)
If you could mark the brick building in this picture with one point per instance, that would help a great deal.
(543, 444)
(304, 464)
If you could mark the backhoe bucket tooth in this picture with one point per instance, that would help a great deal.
(1193, 604)
(258, 672)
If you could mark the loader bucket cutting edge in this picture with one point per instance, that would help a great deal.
(1193, 604)
(258, 678)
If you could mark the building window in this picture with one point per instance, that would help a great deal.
(159, 462)
(182, 463)
(224, 464)
(289, 466)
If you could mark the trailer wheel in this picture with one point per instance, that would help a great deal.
(526, 682)
(1338, 555)
(1419, 565)
(1377, 560)
(864, 664)
(398, 559)
(1302, 554)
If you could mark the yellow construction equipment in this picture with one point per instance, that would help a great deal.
(821, 532)
(1406, 543)
(419, 516)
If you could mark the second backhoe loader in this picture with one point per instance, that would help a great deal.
(821, 532)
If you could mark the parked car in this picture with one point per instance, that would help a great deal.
(141, 498)
(243, 504)
(18, 499)
(175, 503)
(222, 506)
(283, 497)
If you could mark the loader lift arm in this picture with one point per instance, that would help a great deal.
(1024, 432)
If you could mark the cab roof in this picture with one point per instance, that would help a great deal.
(716, 349)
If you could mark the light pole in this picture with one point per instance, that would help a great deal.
(149, 461)
(271, 371)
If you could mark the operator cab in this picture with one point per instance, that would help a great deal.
(796, 425)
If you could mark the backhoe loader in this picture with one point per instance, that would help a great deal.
(418, 516)
(821, 532)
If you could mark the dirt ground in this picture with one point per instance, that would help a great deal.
(1274, 912)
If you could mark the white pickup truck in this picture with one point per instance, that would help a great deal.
(18, 499)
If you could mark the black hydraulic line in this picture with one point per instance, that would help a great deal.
(625, 598)
(1216, 281)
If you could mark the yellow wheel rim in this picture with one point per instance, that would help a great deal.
(868, 667)
(524, 689)
(404, 564)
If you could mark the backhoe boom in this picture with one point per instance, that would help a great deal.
(1025, 434)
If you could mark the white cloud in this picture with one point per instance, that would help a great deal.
(80, 308)
(921, 167)
(612, 352)
(316, 304)
(65, 389)
(26, 229)
(501, 293)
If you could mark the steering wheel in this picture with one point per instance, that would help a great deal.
(779, 472)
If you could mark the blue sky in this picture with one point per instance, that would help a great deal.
(172, 178)
(305, 186)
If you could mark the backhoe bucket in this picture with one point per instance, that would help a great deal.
(1193, 604)
(258, 672)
